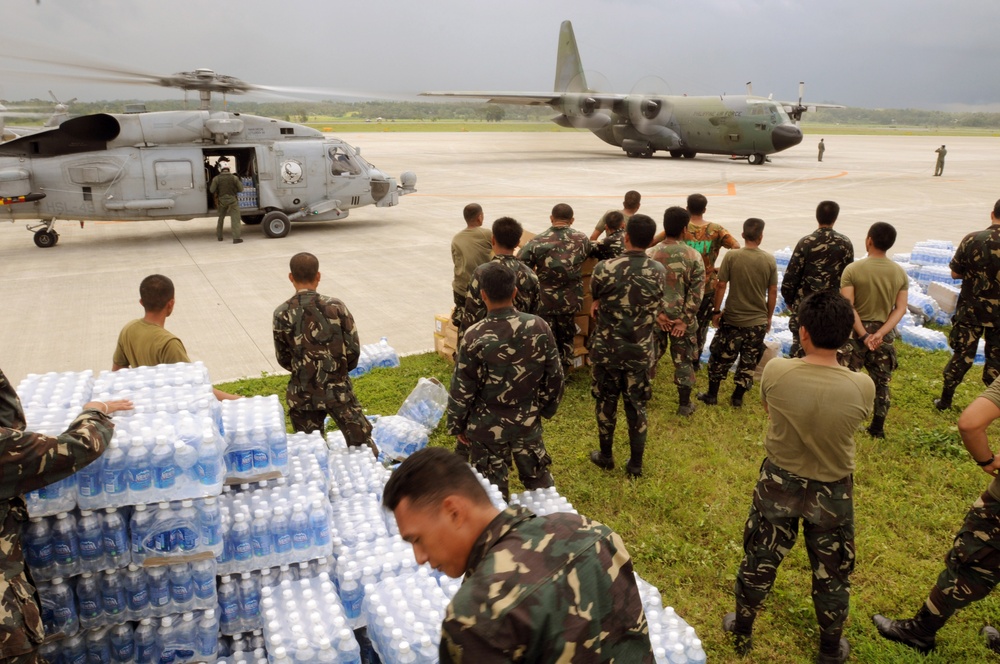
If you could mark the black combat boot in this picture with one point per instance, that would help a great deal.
(605, 461)
(712, 396)
(634, 466)
(917, 632)
(742, 633)
(835, 652)
(877, 428)
(737, 399)
(944, 403)
(992, 638)
(684, 405)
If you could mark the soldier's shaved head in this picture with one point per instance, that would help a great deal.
(697, 204)
(304, 267)
(675, 220)
(497, 282)
(507, 232)
(996, 209)
(430, 474)
(828, 316)
(632, 200)
(883, 235)
(155, 292)
(562, 212)
(471, 212)
(753, 229)
(640, 230)
(613, 220)
(827, 212)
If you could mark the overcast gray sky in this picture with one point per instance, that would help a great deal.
(871, 53)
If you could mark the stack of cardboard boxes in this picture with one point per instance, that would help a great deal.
(445, 337)
(584, 323)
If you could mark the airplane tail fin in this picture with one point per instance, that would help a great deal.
(569, 68)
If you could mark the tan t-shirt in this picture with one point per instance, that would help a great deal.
(602, 223)
(749, 271)
(142, 344)
(470, 248)
(876, 282)
(813, 414)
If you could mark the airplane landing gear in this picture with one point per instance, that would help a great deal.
(756, 159)
(45, 239)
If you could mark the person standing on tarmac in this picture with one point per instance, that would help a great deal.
(225, 186)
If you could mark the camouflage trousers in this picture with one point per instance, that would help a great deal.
(704, 319)
(635, 389)
(826, 510)
(731, 342)
(879, 363)
(563, 329)
(964, 340)
(228, 205)
(344, 408)
(972, 567)
(683, 352)
(456, 313)
(492, 460)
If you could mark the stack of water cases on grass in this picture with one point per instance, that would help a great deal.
(932, 296)
(375, 356)
(400, 435)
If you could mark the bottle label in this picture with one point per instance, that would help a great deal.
(89, 608)
(138, 599)
(300, 540)
(91, 549)
(40, 553)
(65, 551)
(260, 459)
(142, 479)
(243, 550)
(182, 592)
(283, 543)
(113, 604)
(165, 477)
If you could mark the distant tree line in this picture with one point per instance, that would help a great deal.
(299, 111)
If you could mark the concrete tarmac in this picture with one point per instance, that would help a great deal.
(63, 306)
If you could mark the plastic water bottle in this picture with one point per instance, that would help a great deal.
(140, 470)
(319, 525)
(142, 519)
(122, 642)
(211, 522)
(240, 537)
(281, 538)
(185, 460)
(260, 537)
(159, 587)
(116, 538)
(113, 594)
(136, 591)
(88, 597)
(249, 590)
(164, 471)
(166, 641)
(37, 547)
(64, 616)
(98, 647)
(65, 547)
(90, 483)
(203, 575)
(240, 454)
(261, 450)
(181, 586)
(298, 526)
(115, 472)
(207, 637)
(348, 650)
(74, 650)
(191, 526)
(277, 441)
(351, 593)
(146, 650)
(229, 605)
(185, 634)
(209, 467)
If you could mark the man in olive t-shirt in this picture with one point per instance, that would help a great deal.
(470, 248)
(814, 407)
(877, 287)
(752, 277)
(972, 567)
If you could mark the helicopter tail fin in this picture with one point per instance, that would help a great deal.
(569, 68)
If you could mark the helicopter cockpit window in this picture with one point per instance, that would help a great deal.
(173, 175)
(343, 163)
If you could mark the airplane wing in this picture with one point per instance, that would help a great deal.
(603, 99)
(790, 105)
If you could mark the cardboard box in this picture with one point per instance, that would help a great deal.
(586, 285)
(588, 304)
(441, 321)
(451, 335)
(580, 358)
(772, 349)
(441, 347)
(945, 295)
(579, 343)
(587, 268)
(526, 236)
(582, 324)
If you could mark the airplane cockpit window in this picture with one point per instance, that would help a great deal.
(343, 163)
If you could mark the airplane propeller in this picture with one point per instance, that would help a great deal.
(645, 104)
(795, 111)
(585, 109)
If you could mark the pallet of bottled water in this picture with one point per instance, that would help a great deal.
(781, 258)
(918, 301)
(245, 648)
(187, 637)
(67, 390)
(256, 441)
(375, 356)
(672, 639)
(543, 501)
(924, 338)
(167, 399)
(71, 543)
(265, 526)
(939, 273)
(177, 531)
(353, 470)
(932, 252)
(59, 496)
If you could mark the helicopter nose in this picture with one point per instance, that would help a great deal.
(785, 136)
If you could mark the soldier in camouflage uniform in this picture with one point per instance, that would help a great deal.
(814, 406)
(557, 255)
(507, 378)
(506, 236)
(315, 339)
(30, 461)
(877, 287)
(226, 186)
(556, 588)
(613, 243)
(977, 264)
(752, 277)
(683, 293)
(628, 292)
(972, 566)
(816, 264)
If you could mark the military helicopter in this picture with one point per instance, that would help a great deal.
(742, 126)
(142, 165)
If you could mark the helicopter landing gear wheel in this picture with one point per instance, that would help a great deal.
(252, 219)
(276, 224)
(633, 155)
(45, 239)
(689, 154)
(756, 159)
(676, 154)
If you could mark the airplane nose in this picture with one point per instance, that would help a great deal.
(785, 136)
